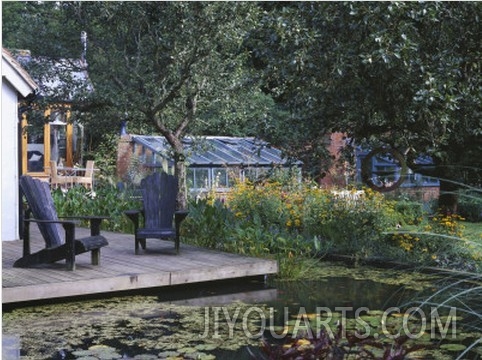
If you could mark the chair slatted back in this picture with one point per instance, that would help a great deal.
(41, 203)
(159, 192)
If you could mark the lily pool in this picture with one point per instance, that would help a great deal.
(226, 320)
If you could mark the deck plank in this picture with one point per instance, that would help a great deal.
(120, 269)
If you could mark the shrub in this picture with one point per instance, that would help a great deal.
(104, 201)
(441, 242)
(264, 204)
(470, 205)
(290, 221)
(352, 222)
(209, 223)
(411, 212)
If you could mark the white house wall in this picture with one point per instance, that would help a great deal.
(9, 164)
(16, 84)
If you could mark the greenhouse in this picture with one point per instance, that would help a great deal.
(214, 162)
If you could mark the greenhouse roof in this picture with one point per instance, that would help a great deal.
(220, 151)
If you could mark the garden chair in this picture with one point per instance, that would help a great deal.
(57, 246)
(57, 180)
(88, 179)
(159, 215)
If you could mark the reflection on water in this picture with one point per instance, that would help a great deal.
(339, 292)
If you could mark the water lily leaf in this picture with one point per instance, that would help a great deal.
(187, 350)
(202, 356)
(145, 357)
(453, 347)
(80, 353)
(292, 322)
(168, 354)
(373, 321)
(100, 348)
(206, 347)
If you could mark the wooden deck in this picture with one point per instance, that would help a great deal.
(120, 269)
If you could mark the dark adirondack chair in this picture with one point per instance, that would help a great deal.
(159, 215)
(59, 245)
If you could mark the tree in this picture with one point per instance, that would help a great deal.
(402, 74)
(168, 65)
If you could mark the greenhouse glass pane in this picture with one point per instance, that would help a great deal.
(220, 178)
(190, 178)
(201, 178)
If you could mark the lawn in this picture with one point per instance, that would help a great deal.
(473, 231)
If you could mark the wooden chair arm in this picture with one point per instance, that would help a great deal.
(86, 217)
(133, 215)
(180, 215)
(50, 221)
(94, 221)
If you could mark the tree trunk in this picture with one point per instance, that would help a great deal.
(180, 172)
(447, 201)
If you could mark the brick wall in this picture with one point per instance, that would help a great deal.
(334, 175)
(124, 153)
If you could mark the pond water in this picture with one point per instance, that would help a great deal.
(222, 320)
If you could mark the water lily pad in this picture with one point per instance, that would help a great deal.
(373, 321)
(187, 350)
(453, 347)
(98, 352)
(81, 353)
(168, 354)
(145, 357)
(206, 347)
(202, 356)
